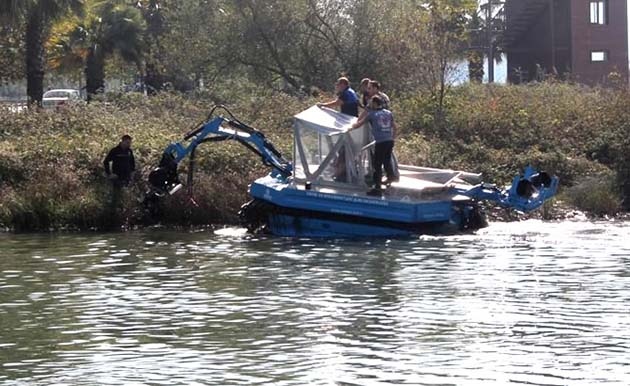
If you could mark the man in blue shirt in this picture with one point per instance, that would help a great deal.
(347, 99)
(383, 131)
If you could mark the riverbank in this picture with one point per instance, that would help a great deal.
(51, 162)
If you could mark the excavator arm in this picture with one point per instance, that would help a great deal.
(164, 179)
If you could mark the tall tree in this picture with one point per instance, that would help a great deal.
(11, 53)
(38, 16)
(441, 44)
(179, 42)
(485, 38)
(154, 16)
(266, 38)
(107, 27)
(111, 29)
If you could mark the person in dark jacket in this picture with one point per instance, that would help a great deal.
(122, 162)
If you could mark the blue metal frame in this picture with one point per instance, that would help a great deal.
(248, 136)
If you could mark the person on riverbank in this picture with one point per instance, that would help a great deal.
(383, 130)
(347, 99)
(123, 163)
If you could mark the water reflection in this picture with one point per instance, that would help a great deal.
(534, 303)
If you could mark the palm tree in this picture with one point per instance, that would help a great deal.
(112, 29)
(153, 14)
(475, 53)
(108, 27)
(38, 16)
(66, 48)
(485, 31)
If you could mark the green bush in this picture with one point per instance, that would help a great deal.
(51, 162)
(569, 130)
(595, 194)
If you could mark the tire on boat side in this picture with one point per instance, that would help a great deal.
(254, 215)
(473, 217)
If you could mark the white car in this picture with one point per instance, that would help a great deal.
(57, 99)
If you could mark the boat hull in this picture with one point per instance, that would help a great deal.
(301, 226)
(284, 210)
(307, 226)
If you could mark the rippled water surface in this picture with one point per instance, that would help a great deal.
(519, 303)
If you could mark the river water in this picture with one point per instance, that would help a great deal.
(517, 303)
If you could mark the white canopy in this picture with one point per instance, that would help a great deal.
(324, 120)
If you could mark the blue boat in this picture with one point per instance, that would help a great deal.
(324, 191)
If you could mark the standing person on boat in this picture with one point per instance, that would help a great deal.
(363, 89)
(374, 88)
(347, 99)
(383, 131)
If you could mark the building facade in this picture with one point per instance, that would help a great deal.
(582, 40)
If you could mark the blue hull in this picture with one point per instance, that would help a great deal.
(285, 210)
(305, 226)
(294, 226)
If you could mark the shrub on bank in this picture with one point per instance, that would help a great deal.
(51, 173)
(570, 130)
(595, 194)
(51, 162)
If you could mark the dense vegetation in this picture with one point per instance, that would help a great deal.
(51, 172)
(268, 60)
(288, 45)
(578, 133)
(51, 163)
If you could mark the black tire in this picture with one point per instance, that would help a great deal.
(254, 214)
(473, 218)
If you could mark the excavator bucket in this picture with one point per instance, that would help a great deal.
(531, 190)
(164, 179)
(527, 192)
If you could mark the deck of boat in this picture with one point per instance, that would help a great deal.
(413, 182)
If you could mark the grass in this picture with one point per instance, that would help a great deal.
(51, 162)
